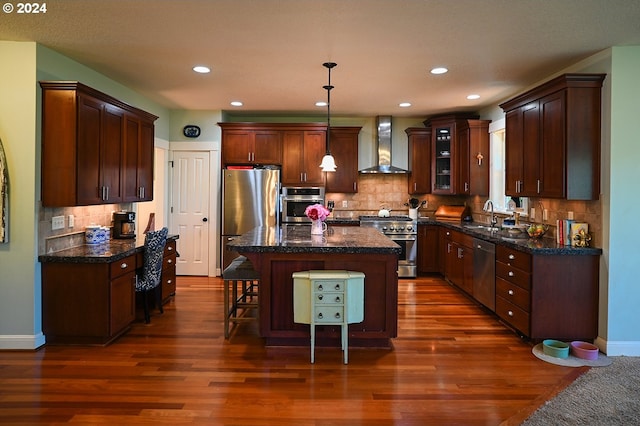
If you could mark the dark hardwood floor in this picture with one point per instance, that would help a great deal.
(452, 364)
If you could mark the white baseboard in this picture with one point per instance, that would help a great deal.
(22, 342)
(621, 348)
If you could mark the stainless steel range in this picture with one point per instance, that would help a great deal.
(403, 231)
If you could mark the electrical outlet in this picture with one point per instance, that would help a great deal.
(71, 220)
(545, 214)
(345, 203)
(533, 213)
(570, 215)
(57, 222)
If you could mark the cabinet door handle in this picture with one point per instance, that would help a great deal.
(460, 253)
(415, 186)
(248, 156)
(538, 186)
(511, 292)
(466, 187)
(510, 313)
(355, 187)
(301, 178)
(124, 265)
(511, 273)
(511, 257)
(448, 247)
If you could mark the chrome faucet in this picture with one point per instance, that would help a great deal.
(489, 204)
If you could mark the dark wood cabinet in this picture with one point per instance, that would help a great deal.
(428, 249)
(168, 277)
(548, 296)
(88, 303)
(553, 139)
(456, 141)
(419, 140)
(344, 148)
(90, 154)
(302, 154)
(244, 143)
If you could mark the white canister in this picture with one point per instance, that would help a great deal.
(92, 234)
(413, 214)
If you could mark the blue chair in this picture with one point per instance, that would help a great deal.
(149, 278)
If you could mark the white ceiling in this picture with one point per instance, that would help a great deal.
(269, 53)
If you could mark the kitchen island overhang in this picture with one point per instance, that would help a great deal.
(277, 252)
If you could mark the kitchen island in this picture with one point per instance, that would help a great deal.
(278, 252)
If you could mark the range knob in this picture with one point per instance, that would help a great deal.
(391, 228)
(384, 228)
(409, 227)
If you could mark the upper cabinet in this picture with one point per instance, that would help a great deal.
(344, 148)
(553, 139)
(460, 154)
(249, 144)
(419, 139)
(303, 152)
(95, 149)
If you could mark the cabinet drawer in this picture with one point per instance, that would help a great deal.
(513, 275)
(170, 248)
(328, 285)
(123, 266)
(462, 239)
(514, 258)
(513, 315)
(169, 261)
(513, 294)
(329, 314)
(329, 298)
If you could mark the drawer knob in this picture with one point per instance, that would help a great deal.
(511, 292)
(124, 266)
(170, 261)
(169, 248)
(169, 281)
(337, 299)
(320, 297)
(510, 313)
(337, 286)
(320, 287)
(511, 256)
(320, 315)
(511, 273)
(338, 315)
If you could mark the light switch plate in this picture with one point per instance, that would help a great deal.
(57, 222)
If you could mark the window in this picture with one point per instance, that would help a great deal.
(497, 172)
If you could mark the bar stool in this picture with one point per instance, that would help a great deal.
(241, 292)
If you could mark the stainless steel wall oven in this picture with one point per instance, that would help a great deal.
(296, 199)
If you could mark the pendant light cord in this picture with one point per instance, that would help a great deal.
(328, 87)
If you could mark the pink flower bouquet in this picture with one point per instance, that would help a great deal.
(316, 212)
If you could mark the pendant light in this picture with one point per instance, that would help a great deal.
(328, 162)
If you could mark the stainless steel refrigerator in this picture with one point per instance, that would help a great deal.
(250, 198)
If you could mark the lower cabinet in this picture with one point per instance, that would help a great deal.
(168, 278)
(458, 259)
(88, 303)
(428, 250)
(548, 296)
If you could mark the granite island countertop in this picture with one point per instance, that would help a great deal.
(107, 252)
(298, 239)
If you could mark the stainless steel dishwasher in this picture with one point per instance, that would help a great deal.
(484, 273)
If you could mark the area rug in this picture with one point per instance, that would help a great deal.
(601, 396)
(571, 361)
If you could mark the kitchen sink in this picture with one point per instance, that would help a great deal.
(483, 228)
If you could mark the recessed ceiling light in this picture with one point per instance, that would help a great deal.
(404, 104)
(201, 69)
(472, 97)
(236, 103)
(439, 70)
(321, 103)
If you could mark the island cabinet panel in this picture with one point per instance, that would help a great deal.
(277, 324)
(87, 303)
(94, 147)
(344, 148)
(548, 296)
(553, 139)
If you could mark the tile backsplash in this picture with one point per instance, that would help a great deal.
(50, 240)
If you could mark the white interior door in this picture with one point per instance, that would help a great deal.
(190, 215)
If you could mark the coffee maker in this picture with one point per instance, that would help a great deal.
(124, 225)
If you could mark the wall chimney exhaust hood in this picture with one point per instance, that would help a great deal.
(384, 149)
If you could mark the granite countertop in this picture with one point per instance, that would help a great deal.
(107, 252)
(298, 239)
(543, 246)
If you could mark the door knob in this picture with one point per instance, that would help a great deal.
(204, 219)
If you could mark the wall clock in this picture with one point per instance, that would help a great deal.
(191, 131)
